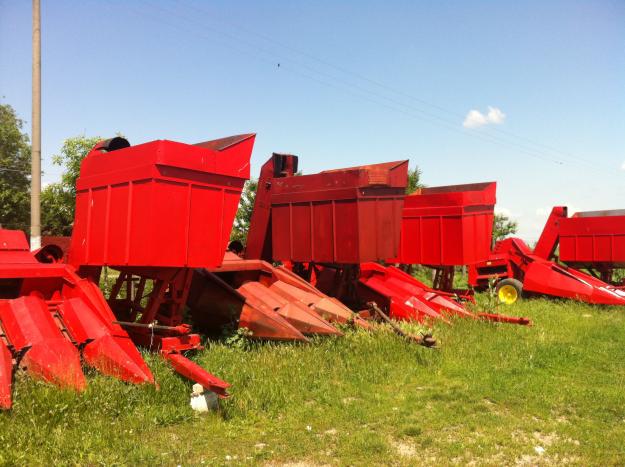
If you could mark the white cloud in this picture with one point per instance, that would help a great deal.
(495, 115)
(476, 119)
(623, 166)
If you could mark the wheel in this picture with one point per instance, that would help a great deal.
(509, 291)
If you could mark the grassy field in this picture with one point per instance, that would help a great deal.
(490, 395)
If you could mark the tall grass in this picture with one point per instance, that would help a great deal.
(494, 394)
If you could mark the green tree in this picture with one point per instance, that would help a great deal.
(57, 210)
(73, 151)
(414, 180)
(14, 171)
(58, 199)
(503, 227)
(242, 220)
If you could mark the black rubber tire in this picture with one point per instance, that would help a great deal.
(517, 284)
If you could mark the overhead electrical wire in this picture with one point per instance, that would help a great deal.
(379, 84)
(291, 66)
(351, 89)
(382, 85)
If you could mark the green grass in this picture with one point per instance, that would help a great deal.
(491, 394)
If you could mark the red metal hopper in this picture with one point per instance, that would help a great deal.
(594, 240)
(345, 216)
(448, 225)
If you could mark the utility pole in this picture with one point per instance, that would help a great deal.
(35, 182)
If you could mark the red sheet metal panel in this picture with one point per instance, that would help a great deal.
(448, 225)
(159, 204)
(6, 376)
(592, 238)
(339, 216)
(14, 247)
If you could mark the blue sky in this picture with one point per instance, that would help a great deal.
(357, 83)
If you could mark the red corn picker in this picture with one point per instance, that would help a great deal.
(442, 228)
(325, 225)
(270, 301)
(331, 228)
(49, 317)
(586, 240)
(154, 212)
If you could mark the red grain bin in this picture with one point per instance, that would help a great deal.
(589, 239)
(448, 225)
(159, 204)
(346, 216)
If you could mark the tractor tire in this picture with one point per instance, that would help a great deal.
(509, 291)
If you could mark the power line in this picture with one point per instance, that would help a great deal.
(385, 86)
(428, 117)
(366, 94)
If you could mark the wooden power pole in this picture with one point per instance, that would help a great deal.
(35, 183)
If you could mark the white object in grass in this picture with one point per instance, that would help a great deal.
(201, 400)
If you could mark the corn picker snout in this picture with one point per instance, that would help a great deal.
(50, 317)
(270, 301)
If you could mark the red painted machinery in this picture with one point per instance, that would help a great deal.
(405, 298)
(325, 225)
(442, 228)
(332, 227)
(593, 240)
(270, 301)
(347, 216)
(516, 269)
(54, 249)
(153, 213)
(304, 219)
(49, 317)
(446, 227)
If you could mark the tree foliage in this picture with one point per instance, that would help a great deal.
(14, 171)
(57, 210)
(244, 214)
(58, 199)
(503, 227)
(414, 180)
(73, 151)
